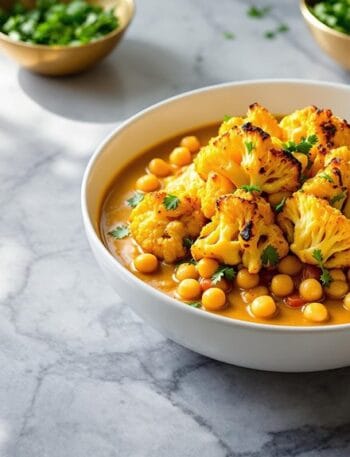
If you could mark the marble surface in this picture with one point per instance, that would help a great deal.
(80, 374)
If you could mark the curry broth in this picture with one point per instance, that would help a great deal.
(115, 211)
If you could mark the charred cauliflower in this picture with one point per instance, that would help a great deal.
(161, 222)
(248, 155)
(331, 183)
(331, 132)
(258, 116)
(310, 224)
(240, 231)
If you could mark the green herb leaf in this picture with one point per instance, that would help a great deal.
(191, 261)
(223, 271)
(270, 34)
(327, 177)
(187, 242)
(195, 304)
(303, 146)
(282, 28)
(325, 277)
(227, 117)
(250, 188)
(258, 13)
(120, 232)
(229, 35)
(135, 199)
(279, 207)
(249, 146)
(317, 255)
(171, 202)
(269, 256)
(337, 198)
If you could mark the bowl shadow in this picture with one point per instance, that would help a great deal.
(136, 75)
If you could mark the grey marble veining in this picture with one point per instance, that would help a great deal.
(81, 375)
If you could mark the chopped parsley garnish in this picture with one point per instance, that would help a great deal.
(282, 28)
(303, 146)
(223, 271)
(195, 304)
(327, 177)
(337, 198)
(227, 117)
(250, 188)
(120, 232)
(279, 207)
(135, 199)
(187, 242)
(191, 261)
(269, 256)
(325, 277)
(171, 202)
(229, 35)
(258, 13)
(249, 145)
(270, 34)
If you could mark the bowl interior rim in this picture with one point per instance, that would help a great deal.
(311, 18)
(155, 292)
(61, 47)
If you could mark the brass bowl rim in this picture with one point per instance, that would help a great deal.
(314, 21)
(61, 47)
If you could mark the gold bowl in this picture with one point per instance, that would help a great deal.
(67, 60)
(335, 44)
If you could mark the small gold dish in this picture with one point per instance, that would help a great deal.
(67, 60)
(335, 44)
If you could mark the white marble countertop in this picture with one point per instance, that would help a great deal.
(81, 375)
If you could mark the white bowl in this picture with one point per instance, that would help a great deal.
(260, 346)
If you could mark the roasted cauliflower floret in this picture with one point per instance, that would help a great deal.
(241, 229)
(248, 155)
(310, 224)
(342, 153)
(223, 154)
(161, 231)
(186, 183)
(331, 183)
(258, 116)
(268, 167)
(215, 187)
(331, 132)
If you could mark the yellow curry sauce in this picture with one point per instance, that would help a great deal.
(115, 211)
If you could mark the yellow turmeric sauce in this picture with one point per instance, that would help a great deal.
(115, 211)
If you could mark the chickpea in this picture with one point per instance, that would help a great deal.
(189, 289)
(191, 143)
(207, 267)
(159, 167)
(263, 306)
(213, 299)
(276, 198)
(310, 289)
(282, 285)
(146, 263)
(338, 275)
(180, 156)
(186, 271)
(337, 289)
(290, 265)
(315, 312)
(249, 295)
(147, 183)
(246, 280)
(347, 302)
